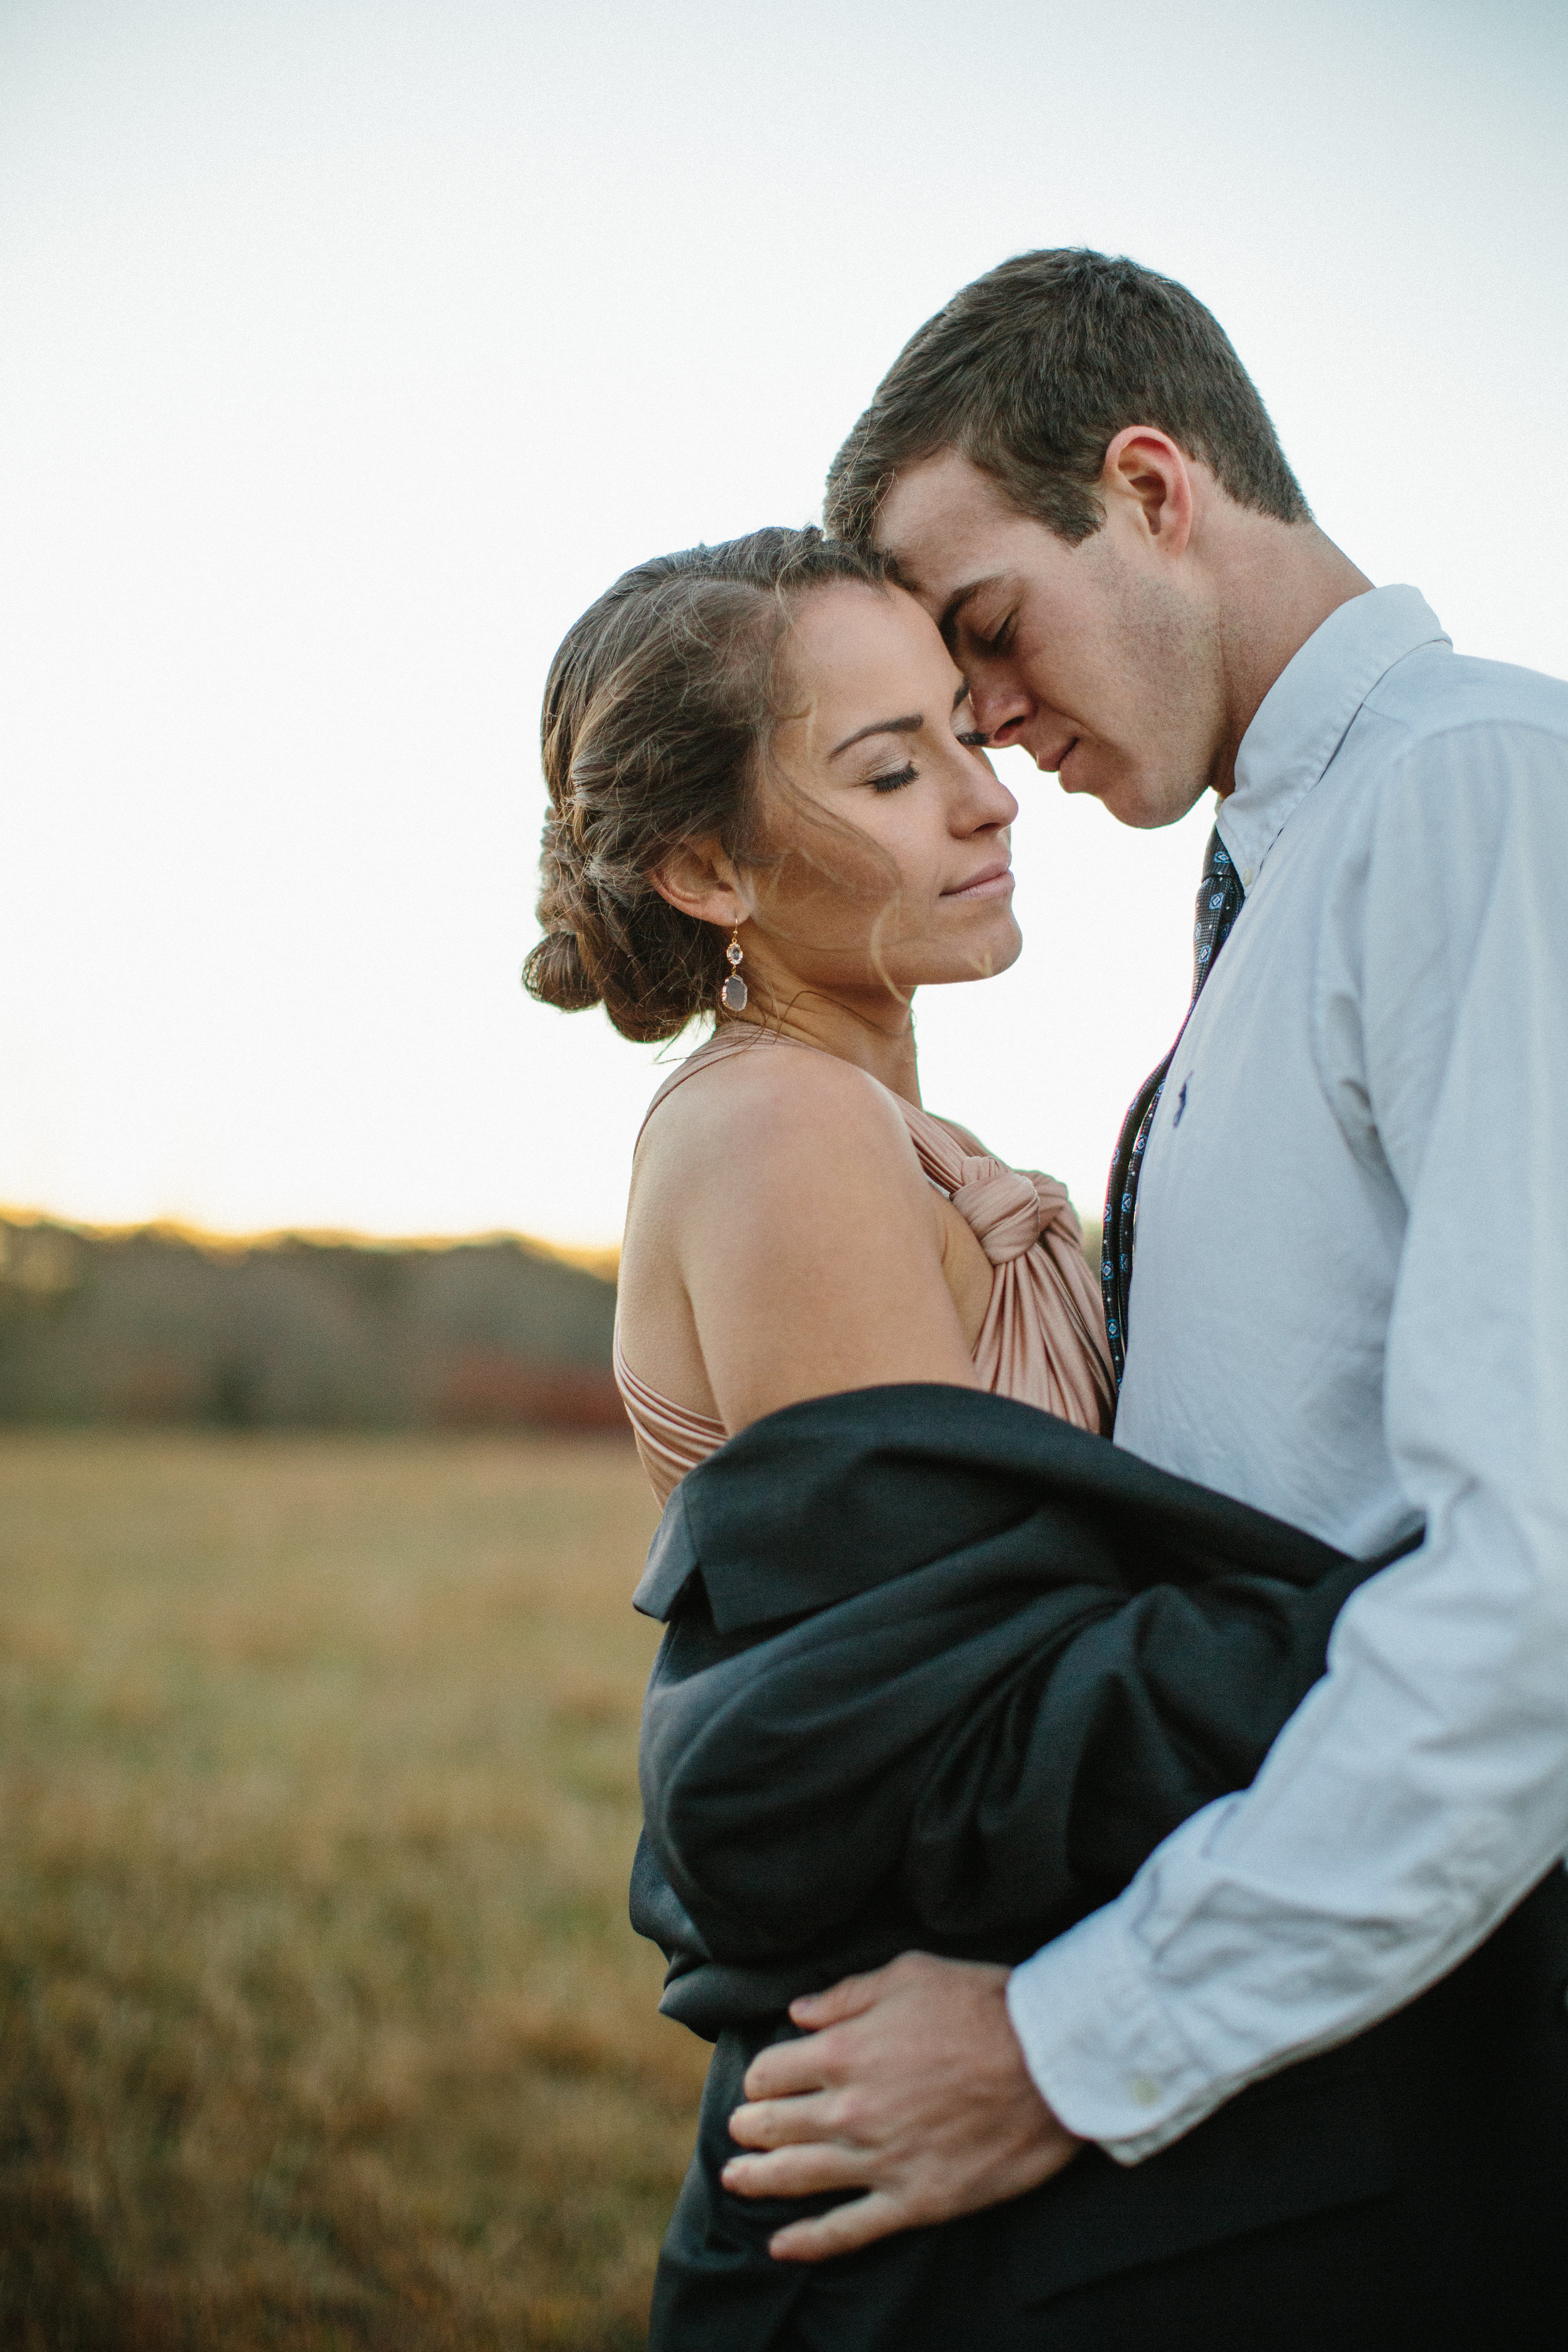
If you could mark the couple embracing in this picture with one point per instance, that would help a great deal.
(1106, 1774)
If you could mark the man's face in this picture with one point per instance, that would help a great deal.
(1102, 659)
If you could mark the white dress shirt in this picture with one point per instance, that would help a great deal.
(1350, 1306)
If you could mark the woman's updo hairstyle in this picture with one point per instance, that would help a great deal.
(657, 714)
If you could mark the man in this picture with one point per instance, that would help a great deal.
(1348, 1298)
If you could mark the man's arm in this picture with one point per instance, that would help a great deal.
(1422, 1787)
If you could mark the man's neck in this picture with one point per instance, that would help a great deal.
(1277, 584)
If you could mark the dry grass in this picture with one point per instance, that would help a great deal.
(320, 2024)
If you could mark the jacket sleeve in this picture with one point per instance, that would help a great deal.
(1041, 1801)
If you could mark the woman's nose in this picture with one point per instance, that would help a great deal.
(992, 806)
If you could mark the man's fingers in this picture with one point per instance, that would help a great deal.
(858, 2223)
(795, 2171)
(849, 1998)
(775, 2123)
(917, 2092)
(789, 2070)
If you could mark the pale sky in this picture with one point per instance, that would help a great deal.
(350, 350)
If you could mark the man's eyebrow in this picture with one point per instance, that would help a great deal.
(910, 726)
(957, 601)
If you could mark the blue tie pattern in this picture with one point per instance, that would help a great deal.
(1220, 903)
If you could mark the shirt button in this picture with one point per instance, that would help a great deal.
(1246, 874)
(1145, 2090)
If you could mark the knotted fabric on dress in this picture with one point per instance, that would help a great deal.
(1042, 1339)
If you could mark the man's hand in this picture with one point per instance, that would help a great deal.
(911, 2084)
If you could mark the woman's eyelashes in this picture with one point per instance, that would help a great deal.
(974, 739)
(904, 775)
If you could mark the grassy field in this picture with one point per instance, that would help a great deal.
(320, 2024)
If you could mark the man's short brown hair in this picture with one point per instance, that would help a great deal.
(1031, 373)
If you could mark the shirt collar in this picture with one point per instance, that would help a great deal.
(1304, 717)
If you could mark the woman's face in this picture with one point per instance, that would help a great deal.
(891, 828)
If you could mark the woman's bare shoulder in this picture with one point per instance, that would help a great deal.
(786, 1194)
(775, 1099)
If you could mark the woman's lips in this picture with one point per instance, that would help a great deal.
(991, 882)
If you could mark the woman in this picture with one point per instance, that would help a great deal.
(762, 762)
(941, 1667)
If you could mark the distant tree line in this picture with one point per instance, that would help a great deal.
(156, 1325)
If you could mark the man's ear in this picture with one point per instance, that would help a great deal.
(1145, 471)
(700, 880)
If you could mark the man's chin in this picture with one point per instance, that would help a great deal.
(1142, 803)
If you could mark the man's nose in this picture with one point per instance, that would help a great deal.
(1002, 707)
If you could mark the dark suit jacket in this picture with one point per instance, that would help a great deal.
(941, 1670)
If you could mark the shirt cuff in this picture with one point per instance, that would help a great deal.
(1104, 2056)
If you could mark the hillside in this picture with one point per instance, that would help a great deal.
(294, 1331)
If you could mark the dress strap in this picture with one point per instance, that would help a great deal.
(670, 1439)
(735, 1037)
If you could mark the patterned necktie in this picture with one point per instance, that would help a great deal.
(1220, 903)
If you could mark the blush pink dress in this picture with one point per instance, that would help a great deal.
(1043, 1340)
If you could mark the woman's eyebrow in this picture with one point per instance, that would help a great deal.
(908, 725)
(911, 726)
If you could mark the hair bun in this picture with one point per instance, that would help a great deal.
(555, 973)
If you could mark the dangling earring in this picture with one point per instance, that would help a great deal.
(733, 995)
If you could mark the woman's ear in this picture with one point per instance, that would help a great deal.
(700, 880)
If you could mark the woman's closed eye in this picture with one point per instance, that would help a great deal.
(973, 737)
